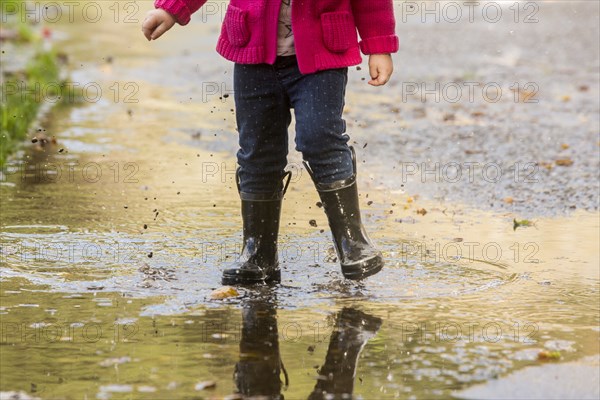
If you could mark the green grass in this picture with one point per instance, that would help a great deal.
(19, 102)
(19, 108)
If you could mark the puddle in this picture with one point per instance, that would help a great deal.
(110, 251)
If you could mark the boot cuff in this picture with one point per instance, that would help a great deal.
(341, 184)
(261, 196)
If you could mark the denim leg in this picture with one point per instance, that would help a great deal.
(262, 116)
(318, 102)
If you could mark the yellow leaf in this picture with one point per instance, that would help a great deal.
(564, 162)
(224, 292)
(545, 355)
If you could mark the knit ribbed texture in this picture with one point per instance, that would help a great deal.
(180, 9)
(242, 55)
(322, 40)
(237, 26)
(339, 32)
(380, 44)
(327, 60)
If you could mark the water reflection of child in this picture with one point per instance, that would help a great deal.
(295, 54)
(260, 372)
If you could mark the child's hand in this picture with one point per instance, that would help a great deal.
(156, 23)
(380, 68)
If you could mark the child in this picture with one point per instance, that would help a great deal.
(295, 54)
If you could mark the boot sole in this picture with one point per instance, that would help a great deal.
(237, 280)
(363, 269)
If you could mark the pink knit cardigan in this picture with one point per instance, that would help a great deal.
(325, 31)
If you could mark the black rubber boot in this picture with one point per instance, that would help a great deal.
(358, 257)
(258, 372)
(258, 261)
(352, 330)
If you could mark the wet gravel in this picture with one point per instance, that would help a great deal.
(534, 151)
(494, 115)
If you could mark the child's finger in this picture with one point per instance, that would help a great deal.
(373, 70)
(376, 81)
(148, 26)
(384, 77)
(162, 28)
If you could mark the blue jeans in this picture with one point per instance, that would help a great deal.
(264, 95)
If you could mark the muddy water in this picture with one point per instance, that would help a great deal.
(111, 248)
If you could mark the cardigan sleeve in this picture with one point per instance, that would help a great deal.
(182, 10)
(376, 25)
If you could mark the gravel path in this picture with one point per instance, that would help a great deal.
(534, 151)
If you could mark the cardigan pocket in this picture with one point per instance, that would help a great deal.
(339, 31)
(237, 26)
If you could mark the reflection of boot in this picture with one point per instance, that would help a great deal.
(258, 261)
(358, 257)
(257, 374)
(352, 330)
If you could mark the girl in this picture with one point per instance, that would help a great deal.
(295, 54)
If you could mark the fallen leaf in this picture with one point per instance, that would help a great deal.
(523, 223)
(421, 211)
(564, 146)
(224, 292)
(546, 355)
(508, 200)
(564, 162)
(525, 95)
